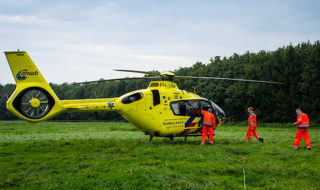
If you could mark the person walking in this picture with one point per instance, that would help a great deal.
(252, 128)
(303, 129)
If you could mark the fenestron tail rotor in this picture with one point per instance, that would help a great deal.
(34, 103)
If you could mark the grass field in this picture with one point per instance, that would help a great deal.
(93, 155)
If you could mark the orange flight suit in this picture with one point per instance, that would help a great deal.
(209, 124)
(303, 126)
(252, 120)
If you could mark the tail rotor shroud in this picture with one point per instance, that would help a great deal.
(34, 103)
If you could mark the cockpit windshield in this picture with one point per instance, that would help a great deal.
(218, 110)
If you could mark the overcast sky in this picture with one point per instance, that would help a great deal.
(81, 40)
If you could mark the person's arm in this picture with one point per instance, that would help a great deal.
(250, 121)
(298, 120)
(213, 122)
(307, 119)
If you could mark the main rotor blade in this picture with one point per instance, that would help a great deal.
(233, 79)
(142, 72)
(106, 80)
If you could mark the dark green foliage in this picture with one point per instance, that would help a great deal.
(297, 66)
(5, 93)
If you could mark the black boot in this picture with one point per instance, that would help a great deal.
(261, 140)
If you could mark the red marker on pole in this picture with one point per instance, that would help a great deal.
(244, 173)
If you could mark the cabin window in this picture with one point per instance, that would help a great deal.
(178, 107)
(156, 97)
(154, 84)
(132, 98)
(189, 107)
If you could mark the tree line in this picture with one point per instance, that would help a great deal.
(297, 66)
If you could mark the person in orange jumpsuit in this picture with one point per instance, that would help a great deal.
(303, 127)
(209, 124)
(252, 129)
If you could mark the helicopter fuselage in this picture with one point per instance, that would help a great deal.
(160, 110)
(163, 110)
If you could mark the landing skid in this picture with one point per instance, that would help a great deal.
(172, 137)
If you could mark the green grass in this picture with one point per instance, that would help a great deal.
(93, 155)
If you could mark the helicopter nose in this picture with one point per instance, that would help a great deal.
(223, 115)
(219, 111)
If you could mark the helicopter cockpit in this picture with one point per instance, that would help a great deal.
(193, 108)
(219, 112)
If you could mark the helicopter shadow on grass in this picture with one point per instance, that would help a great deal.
(191, 141)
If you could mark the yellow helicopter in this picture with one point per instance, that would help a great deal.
(160, 110)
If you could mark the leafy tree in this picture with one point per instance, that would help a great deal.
(298, 66)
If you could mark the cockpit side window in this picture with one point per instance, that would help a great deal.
(193, 108)
(132, 98)
(175, 108)
(189, 107)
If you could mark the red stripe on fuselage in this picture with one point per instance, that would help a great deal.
(185, 131)
(192, 124)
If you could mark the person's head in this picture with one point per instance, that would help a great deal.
(210, 110)
(298, 111)
(250, 109)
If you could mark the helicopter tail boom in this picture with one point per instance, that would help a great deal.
(90, 105)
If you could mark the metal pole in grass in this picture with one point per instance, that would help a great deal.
(244, 173)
